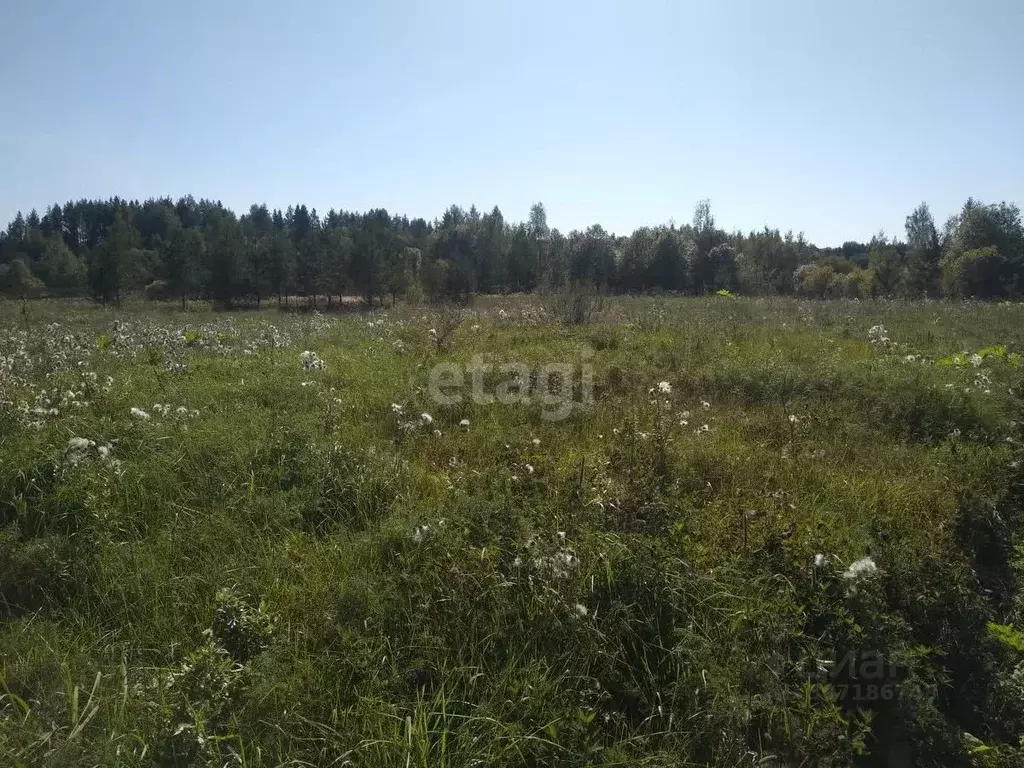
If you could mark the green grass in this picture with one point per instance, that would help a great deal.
(244, 586)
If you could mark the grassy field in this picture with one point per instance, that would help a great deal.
(276, 563)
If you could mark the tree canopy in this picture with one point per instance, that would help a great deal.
(199, 248)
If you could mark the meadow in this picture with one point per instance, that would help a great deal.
(767, 532)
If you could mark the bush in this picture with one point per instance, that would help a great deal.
(974, 274)
(578, 304)
(158, 290)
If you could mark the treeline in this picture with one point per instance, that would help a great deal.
(188, 248)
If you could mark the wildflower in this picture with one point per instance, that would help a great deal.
(703, 428)
(140, 414)
(79, 444)
(793, 419)
(536, 442)
(396, 408)
(105, 451)
(419, 532)
(529, 468)
(568, 558)
(955, 432)
(820, 561)
(705, 404)
(426, 419)
(437, 433)
(664, 388)
(859, 571)
(975, 360)
(311, 361)
(878, 335)
(581, 610)
(464, 423)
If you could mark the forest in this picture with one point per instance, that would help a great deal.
(190, 248)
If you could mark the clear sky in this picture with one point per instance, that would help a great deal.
(831, 118)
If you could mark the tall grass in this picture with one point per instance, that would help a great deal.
(284, 574)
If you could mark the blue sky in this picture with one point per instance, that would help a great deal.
(830, 118)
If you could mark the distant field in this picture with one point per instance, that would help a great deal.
(723, 532)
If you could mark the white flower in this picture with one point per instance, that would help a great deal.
(396, 408)
(705, 404)
(703, 428)
(581, 610)
(79, 444)
(535, 442)
(140, 414)
(859, 570)
(105, 451)
(975, 360)
(528, 468)
(568, 558)
(464, 423)
(955, 433)
(793, 419)
(437, 433)
(664, 388)
(426, 419)
(820, 561)
(310, 361)
(419, 532)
